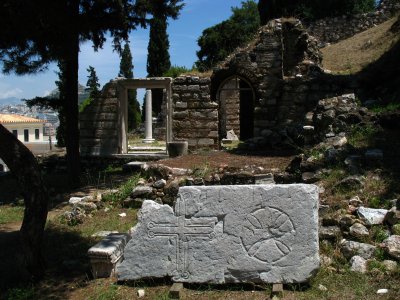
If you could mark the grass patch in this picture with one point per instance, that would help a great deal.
(124, 190)
(386, 108)
(11, 214)
(362, 136)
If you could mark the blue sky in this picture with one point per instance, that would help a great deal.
(196, 16)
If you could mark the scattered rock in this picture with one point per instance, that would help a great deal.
(122, 215)
(180, 172)
(140, 293)
(74, 200)
(325, 260)
(382, 291)
(141, 191)
(351, 248)
(392, 246)
(390, 265)
(159, 184)
(349, 183)
(393, 216)
(358, 230)
(396, 229)
(329, 232)
(346, 221)
(358, 264)
(88, 207)
(355, 201)
(372, 216)
(322, 288)
(309, 177)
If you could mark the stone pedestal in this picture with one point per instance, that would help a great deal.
(106, 254)
(148, 124)
(177, 148)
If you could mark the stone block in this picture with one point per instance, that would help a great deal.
(205, 142)
(222, 234)
(106, 254)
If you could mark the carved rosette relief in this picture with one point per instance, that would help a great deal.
(262, 233)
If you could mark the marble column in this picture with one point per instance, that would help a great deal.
(148, 124)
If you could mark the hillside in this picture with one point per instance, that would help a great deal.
(353, 54)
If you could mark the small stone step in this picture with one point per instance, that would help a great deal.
(107, 253)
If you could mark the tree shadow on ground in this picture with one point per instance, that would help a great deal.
(66, 259)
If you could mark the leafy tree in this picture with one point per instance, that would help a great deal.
(126, 70)
(92, 83)
(218, 41)
(34, 34)
(30, 40)
(311, 9)
(158, 60)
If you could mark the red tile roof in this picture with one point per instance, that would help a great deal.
(8, 118)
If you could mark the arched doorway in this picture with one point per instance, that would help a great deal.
(236, 108)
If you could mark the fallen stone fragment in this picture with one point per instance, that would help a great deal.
(74, 200)
(159, 184)
(392, 246)
(358, 264)
(141, 191)
(372, 216)
(221, 234)
(122, 215)
(351, 248)
(358, 230)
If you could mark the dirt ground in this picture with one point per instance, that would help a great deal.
(216, 159)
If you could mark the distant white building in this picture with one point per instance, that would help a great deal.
(26, 129)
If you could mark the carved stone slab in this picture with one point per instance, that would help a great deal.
(218, 234)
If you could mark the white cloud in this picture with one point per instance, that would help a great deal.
(10, 93)
(46, 93)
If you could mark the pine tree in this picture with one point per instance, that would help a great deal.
(92, 83)
(158, 60)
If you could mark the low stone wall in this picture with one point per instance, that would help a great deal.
(195, 116)
(331, 30)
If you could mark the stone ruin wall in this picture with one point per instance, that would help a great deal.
(195, 116)
(99, 126)
(335, 29)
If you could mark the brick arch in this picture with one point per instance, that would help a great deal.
(220, 76)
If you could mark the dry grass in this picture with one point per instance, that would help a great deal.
(353, 54)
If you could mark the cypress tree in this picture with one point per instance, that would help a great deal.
(93, 84)
(158, 60)
(126, 70)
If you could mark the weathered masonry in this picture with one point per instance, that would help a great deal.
(263, 92)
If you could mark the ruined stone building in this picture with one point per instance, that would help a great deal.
(264, 92)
